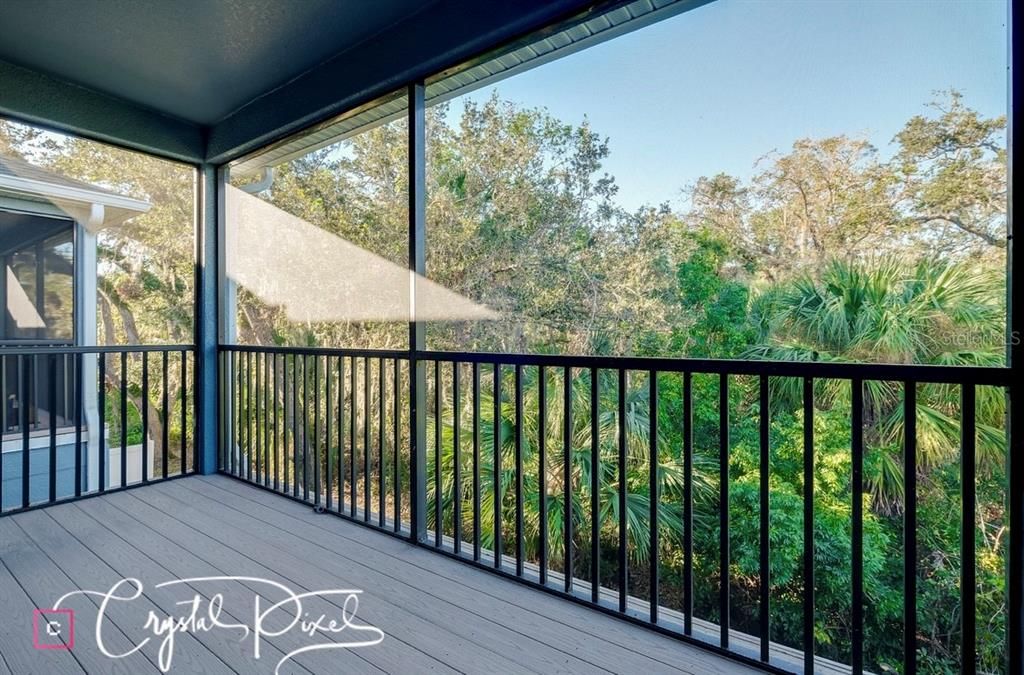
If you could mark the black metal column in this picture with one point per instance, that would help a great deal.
(205, 324)
(1015, 446)
(417, 341)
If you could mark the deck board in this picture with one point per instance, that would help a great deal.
(500, 631)
(438, 615)
(544, 616)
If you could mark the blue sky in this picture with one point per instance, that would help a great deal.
(715, 88)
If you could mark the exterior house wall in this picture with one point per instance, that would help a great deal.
(39, 459)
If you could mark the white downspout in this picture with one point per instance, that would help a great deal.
(87, 336)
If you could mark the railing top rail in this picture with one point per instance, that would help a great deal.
(94, 349)
(322, 351)
(977, 375)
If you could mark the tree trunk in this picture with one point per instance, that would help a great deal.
(155, 425)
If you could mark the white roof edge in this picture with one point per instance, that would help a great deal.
(630, 16)
(67, 193)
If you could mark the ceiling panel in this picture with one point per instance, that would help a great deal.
(198, 60)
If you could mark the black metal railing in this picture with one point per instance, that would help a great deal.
(324, 426)
(81, 421)
(564, 473)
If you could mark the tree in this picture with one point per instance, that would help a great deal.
(952, 170)
(943, 190)
(670, 469)
(934, 312)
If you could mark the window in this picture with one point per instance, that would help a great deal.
(39, 278)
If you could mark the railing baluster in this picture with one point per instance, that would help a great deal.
(396, 484)
(857, 526)
(437, 453)
(145, 417)
(53, 426)
(808, 629)
(184, 412)
(290, 413)
(595, 490)
(78, 426)
(567, 510)
(102, 404)
(124, 418)
(239, 411)
(341, 434)
(457, 464)
(316, 429)
(277, 427)
(542, 470)
(764, 468)
(165, 450)
(285, 441)
(259, 391)
(229, 392)
(518, 405)
(305, 427)
(723, 508)
(250, 429)
(244, 455)
(496, 466)
(260, 466)
(352, 436)
(621, 470)
(910, 527)
(380, 443)
(251, 423)
(295, 425)
(236, 411)
(968, 587)
(688, 503)
(23, 396)
(267, 414)
(653, 492)
(476, 462)
(328, 418)
(366, 439)
(222, 412)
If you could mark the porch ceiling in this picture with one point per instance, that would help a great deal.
(197, 79)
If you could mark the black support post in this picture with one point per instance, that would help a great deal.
(1015, 446)
(417, 341)
(205, 389)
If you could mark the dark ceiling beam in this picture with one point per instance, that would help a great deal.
(440, 37)
(36, 98)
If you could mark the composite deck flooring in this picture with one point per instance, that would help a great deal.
(436, 614)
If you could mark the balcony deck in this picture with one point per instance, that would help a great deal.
(437, 614)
